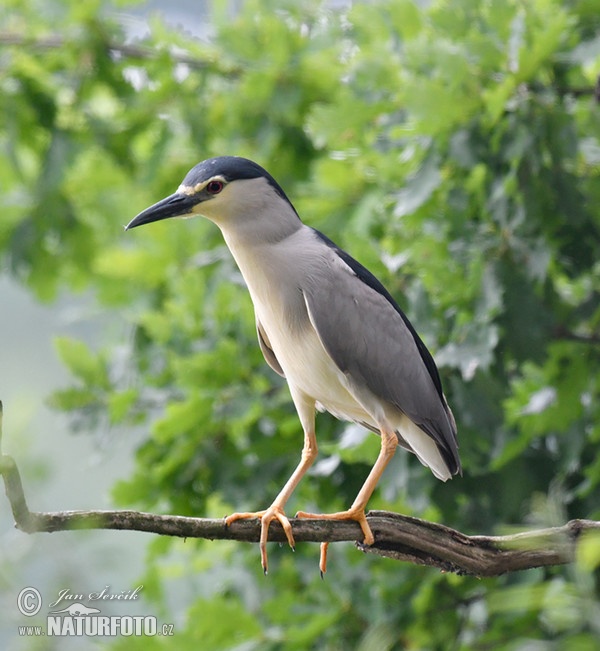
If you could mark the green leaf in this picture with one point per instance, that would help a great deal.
(82, 362)
(120, 403)
(588, 551)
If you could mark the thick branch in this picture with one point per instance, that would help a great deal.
(396, 536)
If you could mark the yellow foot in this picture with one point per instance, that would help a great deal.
(266, 517)
(351, 514)
(323, 559)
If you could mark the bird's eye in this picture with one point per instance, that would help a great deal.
(214, 187)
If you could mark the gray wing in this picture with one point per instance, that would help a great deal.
(371, 341)
(267, 351)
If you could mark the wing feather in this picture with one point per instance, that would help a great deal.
(267, 351)
(371, 340)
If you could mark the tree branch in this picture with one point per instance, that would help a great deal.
(125, 50)
(141, 53)
(396, 536)
(562, 332)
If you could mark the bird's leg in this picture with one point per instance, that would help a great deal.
(389, 442)
(275, 511)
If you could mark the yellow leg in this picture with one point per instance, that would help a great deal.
(389, 442)
(275, 511)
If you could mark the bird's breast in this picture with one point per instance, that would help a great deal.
(275, 276)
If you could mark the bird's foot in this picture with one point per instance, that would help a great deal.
(267, 516)
(358, 515)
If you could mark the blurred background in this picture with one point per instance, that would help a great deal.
(453, 148)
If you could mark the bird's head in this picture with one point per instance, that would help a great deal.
(235, 193)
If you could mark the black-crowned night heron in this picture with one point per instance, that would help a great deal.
(327, 325)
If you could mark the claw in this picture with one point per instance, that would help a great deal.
(323, 559)
(266, 517)
(264, 561)
(351, 514)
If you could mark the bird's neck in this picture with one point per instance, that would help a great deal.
(259, 240)
(254, 233)
(256, 258)
(272, 272)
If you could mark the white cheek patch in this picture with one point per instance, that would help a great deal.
(191, 190)
(188, 190)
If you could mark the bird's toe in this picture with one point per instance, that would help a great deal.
(267, 516)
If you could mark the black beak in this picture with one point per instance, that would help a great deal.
(176, 205)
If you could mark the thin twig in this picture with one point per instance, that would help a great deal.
(141, 52)
(561, 332)
(127, 50)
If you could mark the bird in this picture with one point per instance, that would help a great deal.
(327, 325)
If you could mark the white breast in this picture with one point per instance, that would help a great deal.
(274, 274)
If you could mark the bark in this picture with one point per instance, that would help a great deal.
(397, 536)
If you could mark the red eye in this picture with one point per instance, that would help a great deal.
(214, 187)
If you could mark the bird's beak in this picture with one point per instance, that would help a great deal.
(176, 205)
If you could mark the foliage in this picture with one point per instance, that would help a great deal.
(454, 150)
